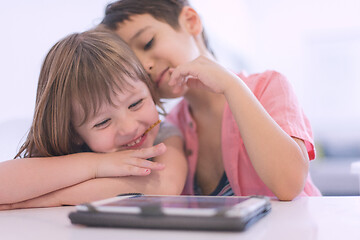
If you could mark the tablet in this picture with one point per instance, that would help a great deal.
(173, 212)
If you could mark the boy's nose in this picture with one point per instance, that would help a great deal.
(149, 66)
(147, 63)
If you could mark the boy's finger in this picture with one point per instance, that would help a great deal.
(177, 80)
(196, 83)
(176, 77)
(149, 152)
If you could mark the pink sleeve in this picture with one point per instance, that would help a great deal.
(278, 98)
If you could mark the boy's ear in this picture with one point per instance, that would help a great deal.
(190, 20)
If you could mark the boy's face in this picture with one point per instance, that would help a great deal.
(159, 47)
(123, 126)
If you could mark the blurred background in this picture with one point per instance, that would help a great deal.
(315, 44)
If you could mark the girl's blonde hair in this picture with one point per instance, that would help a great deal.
(85, 67)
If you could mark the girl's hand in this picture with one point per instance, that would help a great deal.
(129, 162)
(38, 202)
(202, 73)
(6, 207)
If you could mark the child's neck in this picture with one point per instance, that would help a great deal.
(202, 101)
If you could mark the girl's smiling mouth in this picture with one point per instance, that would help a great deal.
(136, 143)
(140, 140)
(152, 126)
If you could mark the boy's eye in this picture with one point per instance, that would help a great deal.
(102, 124)
(149, 44)
(135, 105)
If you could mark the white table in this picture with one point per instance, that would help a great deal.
(304, 218)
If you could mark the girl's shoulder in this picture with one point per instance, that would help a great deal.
(167, 129)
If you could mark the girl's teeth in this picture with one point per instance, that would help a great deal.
(134, 142)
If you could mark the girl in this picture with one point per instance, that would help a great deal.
(93, 96)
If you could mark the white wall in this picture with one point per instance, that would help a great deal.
(28, 30)
(316, 44)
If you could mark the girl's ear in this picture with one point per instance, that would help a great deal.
(77, 140)
(190, 20)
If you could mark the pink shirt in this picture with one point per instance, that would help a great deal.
(277, 97)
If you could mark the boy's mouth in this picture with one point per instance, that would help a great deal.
(161, 77)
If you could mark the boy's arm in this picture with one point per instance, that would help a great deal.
(169, 181)
(280, 160)
(27, 178)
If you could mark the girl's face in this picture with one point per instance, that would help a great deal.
(122, 126)
(159, 47)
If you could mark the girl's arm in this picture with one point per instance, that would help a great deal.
(280, 160)
(27, 178)
(169, 181)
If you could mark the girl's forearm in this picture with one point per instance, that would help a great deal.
(277, 158)
(87, 191)
(97, 189)
(169, 181)
(26, 178)
(101, 188)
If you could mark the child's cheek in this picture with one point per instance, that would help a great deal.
(151, 136)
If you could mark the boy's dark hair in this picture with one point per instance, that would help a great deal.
(163, 10)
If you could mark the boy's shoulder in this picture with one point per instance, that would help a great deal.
(264, 82)
(261, 78)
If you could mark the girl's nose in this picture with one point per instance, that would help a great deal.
(127, 129)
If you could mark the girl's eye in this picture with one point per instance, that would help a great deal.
(136, 105)
(149, 44)
(102, 124)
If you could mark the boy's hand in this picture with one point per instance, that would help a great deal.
(128, 162)
(202, 73)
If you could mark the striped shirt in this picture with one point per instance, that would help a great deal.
(222, 189)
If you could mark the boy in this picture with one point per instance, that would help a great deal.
(245, 135)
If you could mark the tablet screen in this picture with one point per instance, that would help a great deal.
(177, 201)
